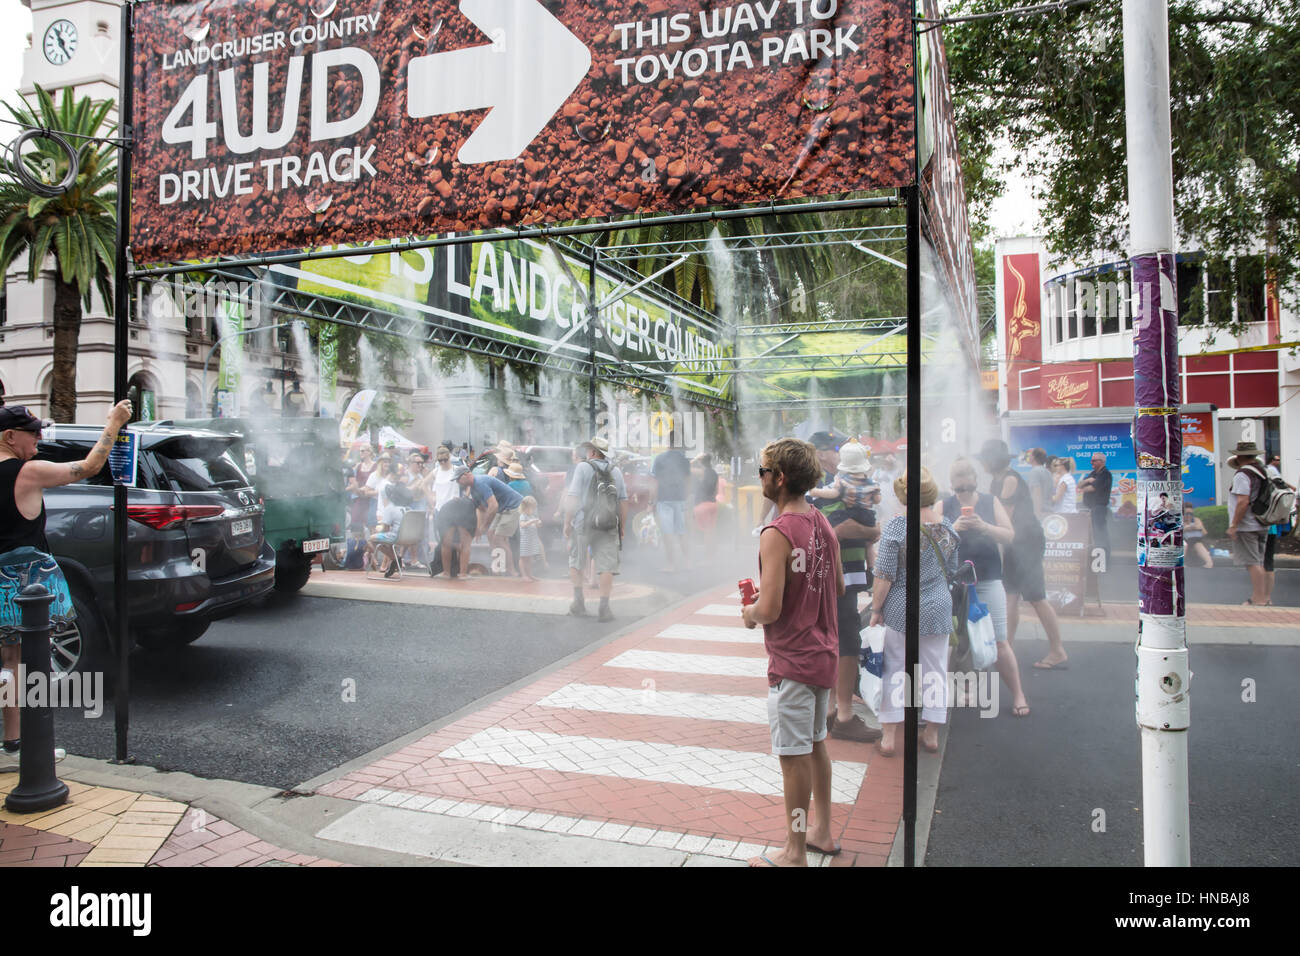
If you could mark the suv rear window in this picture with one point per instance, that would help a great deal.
(68, 451)
(197, 464)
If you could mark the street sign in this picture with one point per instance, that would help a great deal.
(266, 126)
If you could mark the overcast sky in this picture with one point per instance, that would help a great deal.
(1013, 214)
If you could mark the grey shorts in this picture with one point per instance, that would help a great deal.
(505, 523)
(1248, 547)
(604, 546)
(796, 715)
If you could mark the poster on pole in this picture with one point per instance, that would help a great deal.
(263, 126)
(1160, 524)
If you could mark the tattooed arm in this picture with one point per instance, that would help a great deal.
(38, 475)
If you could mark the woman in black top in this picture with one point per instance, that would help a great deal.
(985, 527)
(1022, 572)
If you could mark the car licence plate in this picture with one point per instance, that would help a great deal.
(319, 544)
(240, 528)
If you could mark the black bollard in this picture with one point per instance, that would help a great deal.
(38, 788)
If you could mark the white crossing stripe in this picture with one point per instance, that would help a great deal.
(691, 663)
(710, 632)
(720, 610)
(737, 770)
(659, 703)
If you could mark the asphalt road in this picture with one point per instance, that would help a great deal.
(1025, 792)
(261, 697)
(1222, 584)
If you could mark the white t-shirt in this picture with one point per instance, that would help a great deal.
(1241, 486)
(380, 483)
(444, 487)
(1068, 504)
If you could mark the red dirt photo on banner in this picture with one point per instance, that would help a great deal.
(274, 124)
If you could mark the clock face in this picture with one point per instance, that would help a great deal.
(60, 42)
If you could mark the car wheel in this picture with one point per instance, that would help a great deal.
(291, 572)
(80, 647)
(178, 635)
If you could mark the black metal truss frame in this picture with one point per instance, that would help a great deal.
(775, 241)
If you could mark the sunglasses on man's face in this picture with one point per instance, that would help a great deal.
(764, 472)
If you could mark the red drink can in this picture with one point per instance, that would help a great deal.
(747, 591)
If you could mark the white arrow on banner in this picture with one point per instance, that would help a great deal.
(524, 76)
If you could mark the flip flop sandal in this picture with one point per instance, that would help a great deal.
(1016, 711)
(824, 852)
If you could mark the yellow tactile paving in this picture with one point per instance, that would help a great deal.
(155, 818)
(120, 855)
(87, 831)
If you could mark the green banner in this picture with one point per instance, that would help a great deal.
(230, 320)
(328, 366)
(519, 291)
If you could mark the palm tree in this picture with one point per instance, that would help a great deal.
(77, 228)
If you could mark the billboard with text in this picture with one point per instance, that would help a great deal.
(265, 126)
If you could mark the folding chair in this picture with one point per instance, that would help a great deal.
(409, 533)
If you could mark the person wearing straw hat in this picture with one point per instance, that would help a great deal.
(1249, 535)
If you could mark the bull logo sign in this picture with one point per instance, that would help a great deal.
(1020, 324)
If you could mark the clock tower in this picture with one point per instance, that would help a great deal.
(74, 43)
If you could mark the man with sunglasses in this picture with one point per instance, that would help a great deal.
(854, 538)
(22, 513)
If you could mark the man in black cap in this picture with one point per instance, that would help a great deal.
(854, 539)
(22, 509)
(1022, 567)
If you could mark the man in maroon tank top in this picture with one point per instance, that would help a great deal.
(800, 579)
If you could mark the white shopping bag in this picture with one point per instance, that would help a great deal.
(871, 669)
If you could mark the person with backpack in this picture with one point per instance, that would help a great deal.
(1255, 501)
(595, 514)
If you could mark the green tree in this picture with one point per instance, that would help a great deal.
(76, 228)
(1051, 88)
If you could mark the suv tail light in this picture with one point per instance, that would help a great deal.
(167, 516)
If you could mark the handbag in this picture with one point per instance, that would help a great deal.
(25, 566)
(959, 592)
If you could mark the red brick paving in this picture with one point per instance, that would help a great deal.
(865, 828)
(203, 840)
(26, 846)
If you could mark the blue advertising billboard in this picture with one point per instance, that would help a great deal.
(1082, 440)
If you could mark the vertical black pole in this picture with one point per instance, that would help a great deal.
(913, 505)
(121, 316)
(912, 639)
(592, 316)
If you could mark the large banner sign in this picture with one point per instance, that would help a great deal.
(284, 125)
(944, 219)
(520, 291)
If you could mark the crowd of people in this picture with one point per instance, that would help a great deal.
(824, 549)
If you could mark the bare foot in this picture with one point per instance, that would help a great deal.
(930, 738)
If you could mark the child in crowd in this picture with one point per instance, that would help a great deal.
(530, 537)
(851, 487)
